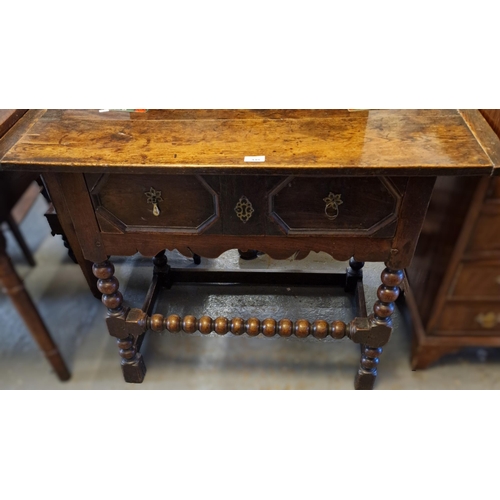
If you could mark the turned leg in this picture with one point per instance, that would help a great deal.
(353, 274)
(20, 240)
(380, 320)
(132, 362)
(14, 287)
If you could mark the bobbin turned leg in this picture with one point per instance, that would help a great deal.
(380, 321)
(132, 363)
(353, 274)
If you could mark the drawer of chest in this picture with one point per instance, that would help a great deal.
(482, 317)
(486, 232)
(357, 206)
(493, 189)
(169, 203)
(475, 280)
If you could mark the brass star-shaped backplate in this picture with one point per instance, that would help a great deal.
(153, 196)
(333, 200)
(332, 205)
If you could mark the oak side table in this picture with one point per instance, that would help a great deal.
(285, 182)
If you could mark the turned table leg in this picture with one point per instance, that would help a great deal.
(132, 362)
(383, 308)
(14, 287)
(20, 240)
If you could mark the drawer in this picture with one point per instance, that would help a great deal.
(357, 206)
(477, 280)
(486, 232)
(169, 203)
(482, 317)
(245, 205)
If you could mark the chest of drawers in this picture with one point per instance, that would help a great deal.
(354, 185)
(455, 275)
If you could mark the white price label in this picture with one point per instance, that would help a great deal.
(255, 159)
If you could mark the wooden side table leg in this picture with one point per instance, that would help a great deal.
(60, 223)
(76, 255)
(383, 308)
(21, 241)
(132, 362)
(14, 287)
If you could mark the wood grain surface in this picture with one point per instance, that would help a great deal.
(395, 142)
(8, 117)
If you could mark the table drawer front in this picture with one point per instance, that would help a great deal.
(357, 206)
(244, 203)
(477, 279)
(483, 316)
(171, 203)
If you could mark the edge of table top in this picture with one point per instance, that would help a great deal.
(8, 117)
(314, 142)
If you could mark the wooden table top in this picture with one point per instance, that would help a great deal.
(8, 117)
(380, 142)
(12, 184)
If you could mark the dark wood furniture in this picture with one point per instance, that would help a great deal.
(10, 195)
(12, 186)
(355, 185)
(454, 293)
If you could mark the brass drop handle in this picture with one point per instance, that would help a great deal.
(332, 206)
(488, 320)
(154, 197)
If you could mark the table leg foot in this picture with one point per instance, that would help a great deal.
(134, 370)
(364, 381)
(367, 373)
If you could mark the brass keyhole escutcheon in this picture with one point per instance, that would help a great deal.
(154, 197)
(244, 209)
(332, 206)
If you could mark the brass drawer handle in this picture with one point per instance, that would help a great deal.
(488, 320)
(244, 209)
(332, 206)
(154, 197)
